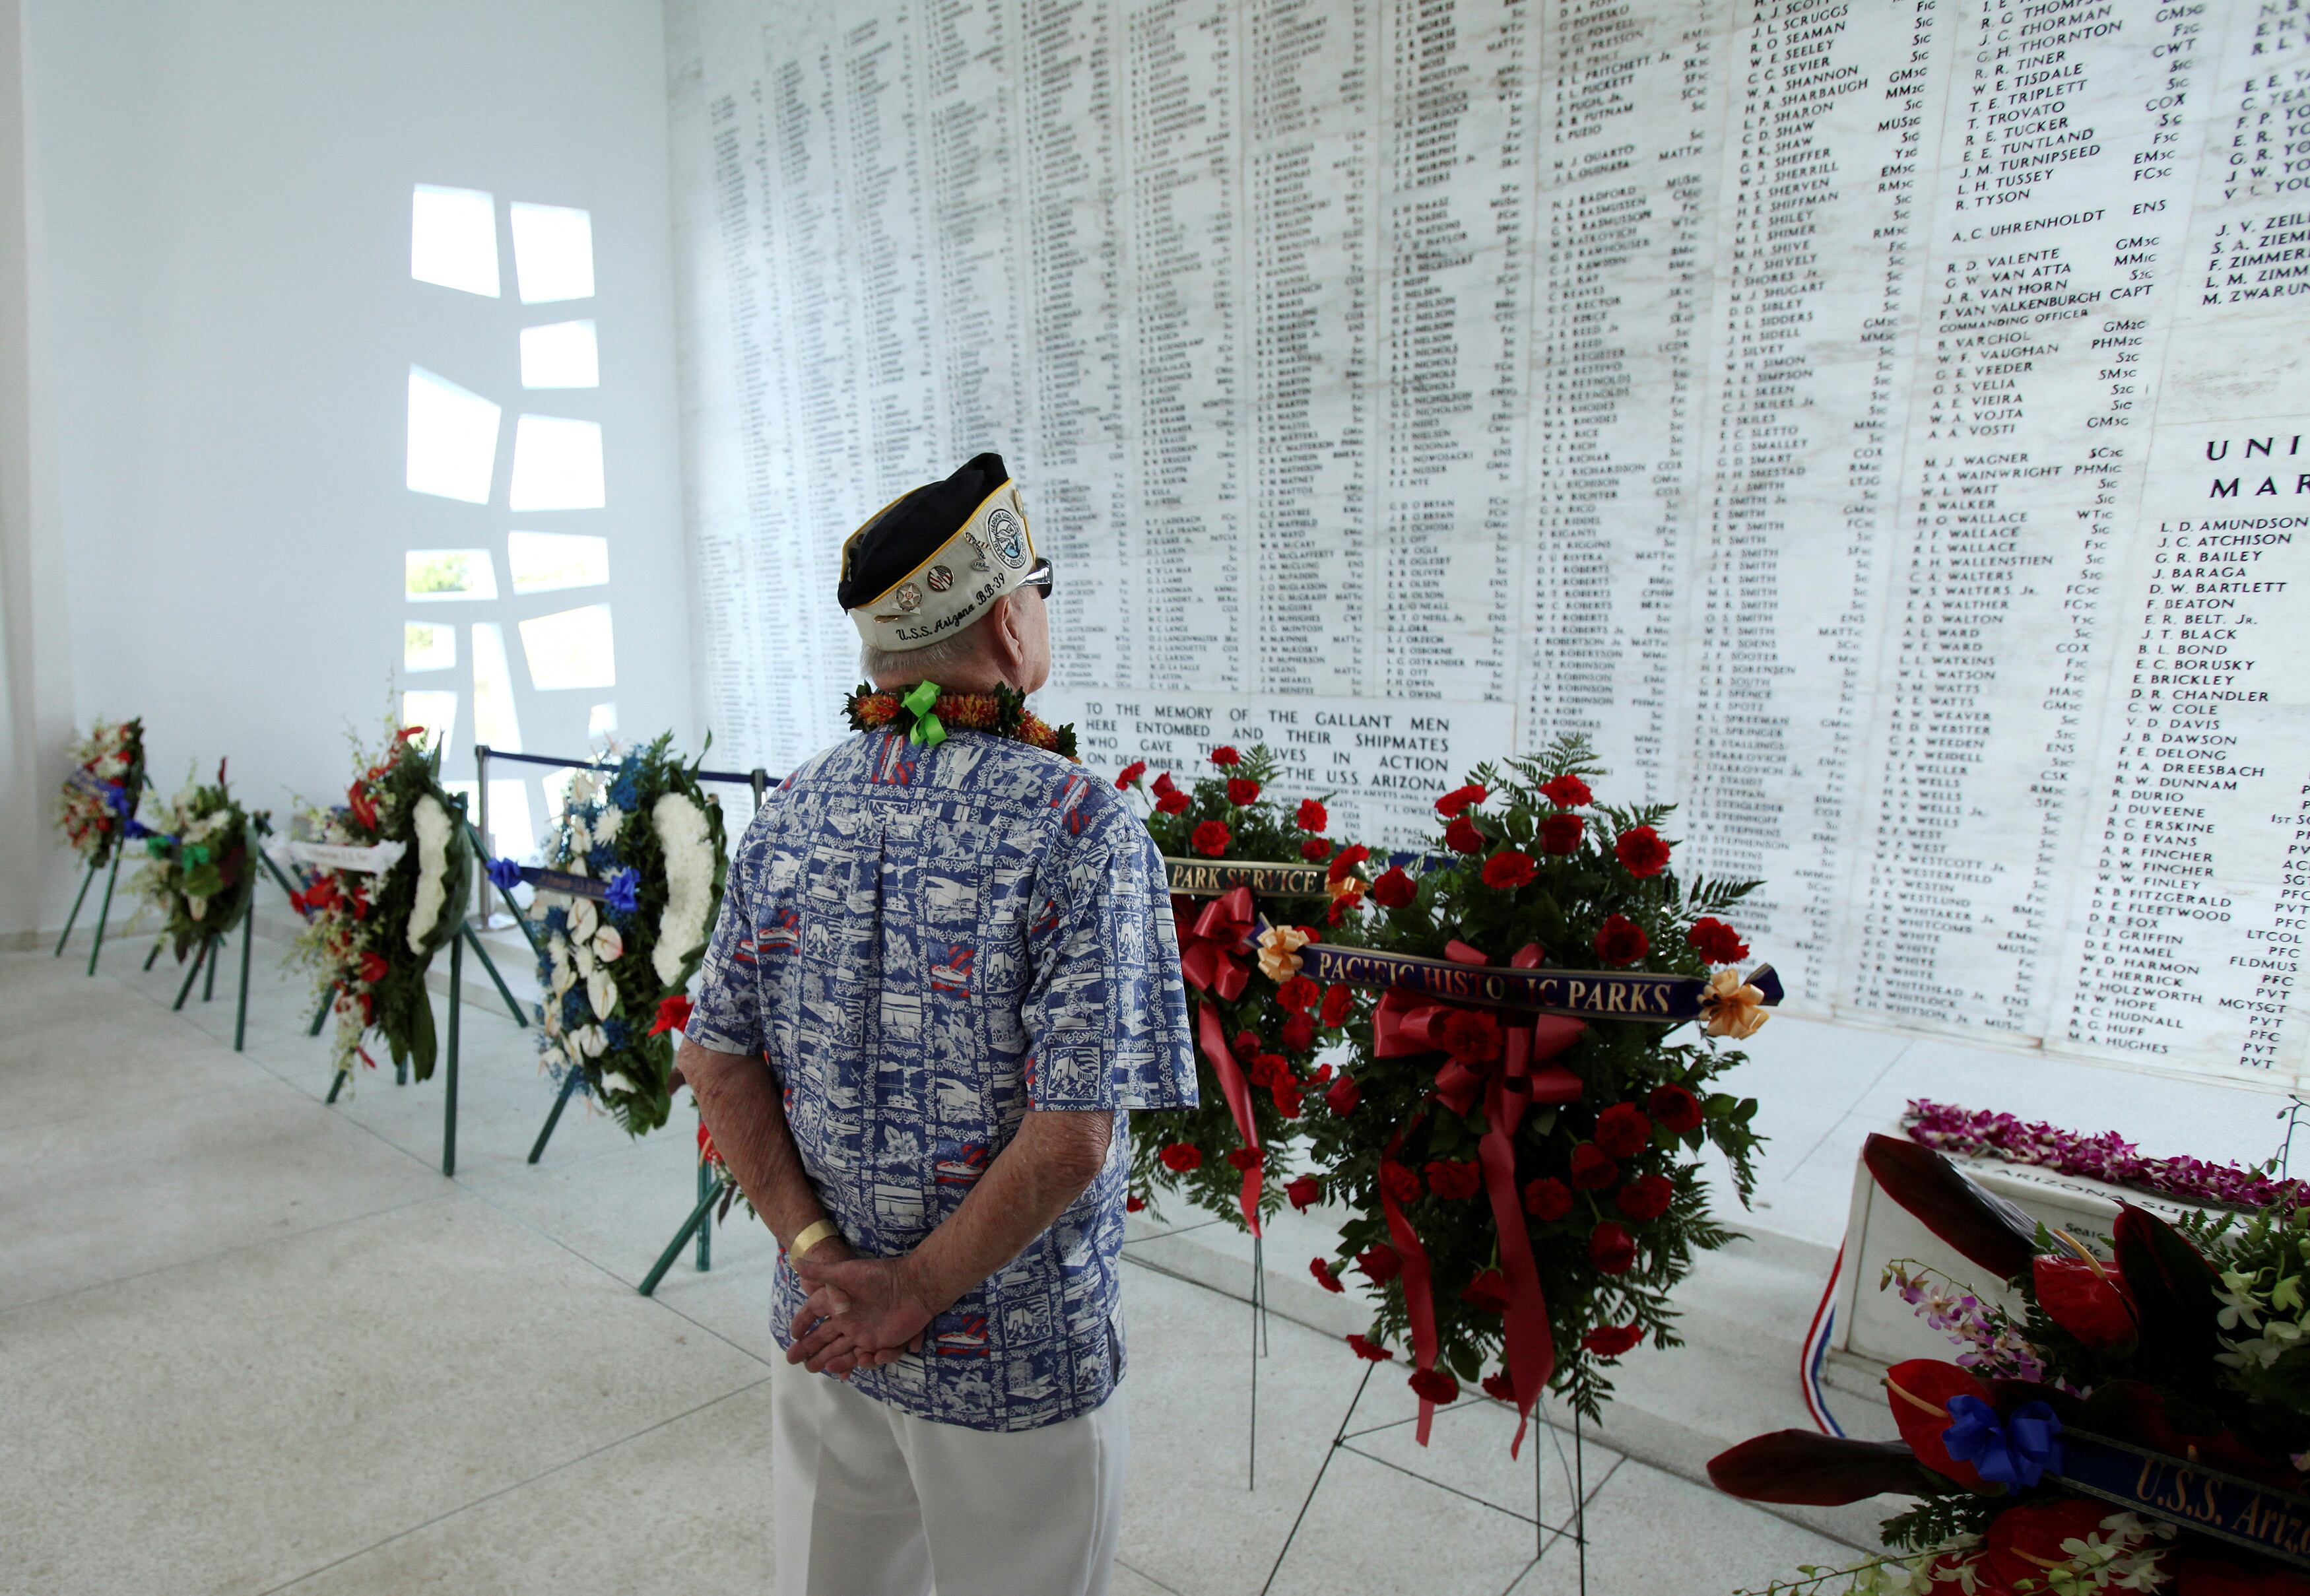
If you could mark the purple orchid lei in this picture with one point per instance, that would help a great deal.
(1993, 1346)
(2108, 1158)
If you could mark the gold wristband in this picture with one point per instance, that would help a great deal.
(811, 1235)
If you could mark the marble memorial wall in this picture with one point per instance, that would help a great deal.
(1871, 422)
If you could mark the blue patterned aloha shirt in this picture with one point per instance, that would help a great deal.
(925, 943)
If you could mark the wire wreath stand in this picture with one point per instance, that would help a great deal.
(1259, 1337)
(1577, 1532)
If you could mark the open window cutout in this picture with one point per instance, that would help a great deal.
(453, 439)
(494, 720)
(570, 648)
(428, 645)
(435, 711)
(562, 354)
(512, 825)
(453, 239)
(552, 253)
(545, 561)
(448, 574)
(602, 727)
(557, 464)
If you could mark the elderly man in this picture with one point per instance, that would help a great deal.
(944, 967)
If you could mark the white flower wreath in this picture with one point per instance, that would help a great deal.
(682, 929)
(433, 827)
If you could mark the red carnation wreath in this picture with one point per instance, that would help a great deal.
(1257, 1023)
(1525, 1183)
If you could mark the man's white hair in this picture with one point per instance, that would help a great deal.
(915, 664)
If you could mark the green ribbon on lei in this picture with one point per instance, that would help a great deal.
(928, 730)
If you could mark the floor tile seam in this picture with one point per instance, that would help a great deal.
(534, 1228)
(1851, 1109)
(1149, 1578)
(207, 1089)
(222, 1252)
(523, 1484)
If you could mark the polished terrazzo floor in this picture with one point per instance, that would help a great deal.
(251, 1343)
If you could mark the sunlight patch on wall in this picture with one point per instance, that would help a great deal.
(552, 253)
(570, 648)
(545, 561)
(453, 439)
(448, 574)
(428, 645)
(557, 464)
(494, 720)
(562, 354)
(453, 239)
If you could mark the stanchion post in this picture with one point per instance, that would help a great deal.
(759, 780)
(457, 996)
(105, 912)
(88, 877)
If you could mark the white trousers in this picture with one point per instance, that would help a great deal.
(869, 1500)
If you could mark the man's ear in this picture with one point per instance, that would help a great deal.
(1009, 638)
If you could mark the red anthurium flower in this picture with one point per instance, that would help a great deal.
(1455, 1181)
(1211, 838)
(1717, 941)
(1241, 791)
(1508, 870)
(1382, 1264)
(1313, 848)
(1347, 860)
(1325, 1278)
(1129, 773)
(1460, 800)
(1181, 1157)
(1298, 995)
(1463, 837)
(1644, 1198)
(373, 968)
(1304, 1191)
(2084, 1298)
(1591, 1171)
(1642, 850)
(2025, 1541)
(1339, 1003)
(1919, 1391)
(1299, 1033)
(1622, 1130)
(1226, 758)
(1367, 1348)
(1394, 889)
(1675, 1108)
(1621, 940)
(1434, 1386)
(1610, 1341)
(1345, 1095)
(672, 1014)
(1312, 815)
(1611, 1249)
(1500, 1387)
(2207, 1576)
(1399, 1181)
(1547, 1198)
(1245, 1158)
(1488, 1293)
(1172, 803)
(1568, 791)
(364, 809)
(1559, 833)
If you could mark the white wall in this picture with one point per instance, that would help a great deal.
(222, 321)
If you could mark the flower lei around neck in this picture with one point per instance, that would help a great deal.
(926, 712)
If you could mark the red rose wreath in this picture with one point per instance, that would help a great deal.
(1257, 1023)
(1527, 1182)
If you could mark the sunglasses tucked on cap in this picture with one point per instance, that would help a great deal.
(933, 559)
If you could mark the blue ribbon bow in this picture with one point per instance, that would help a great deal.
(2014, 1450)
(505, 875)
(624, 894)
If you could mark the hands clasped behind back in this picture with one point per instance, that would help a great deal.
(861, 1312)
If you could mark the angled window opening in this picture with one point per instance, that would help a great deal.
(453, 239)
(570, 648)
(546, 561)
(435, 711)
(562, 354)
(552, 253)
(430, 574)
(557, 465)
(453, 439)
(494, 720)
(428, 645)
(513, 826)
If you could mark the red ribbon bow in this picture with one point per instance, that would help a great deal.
(1209, 950)
(1497, 1061)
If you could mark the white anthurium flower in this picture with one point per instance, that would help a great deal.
(613, 1081)
(581, 954)
(565, 975)
(550, 1021)
(609, 947)
(582, 788)
(590, 1041)
(582, 918)
(602, 993)
(606, 824)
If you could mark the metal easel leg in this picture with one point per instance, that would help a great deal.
(158, 944)
(1258, 1314)
(321, 1014)
(337, 1085)
(87, 880)
(1579, 1502)
(698, 1216)
(1329, 1454)
(513, 1005)
(104, 914)
(241, 1014)
(449, 1098)
(186, 991)
(708, 1185)
(569, 1089)
(208, 987)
